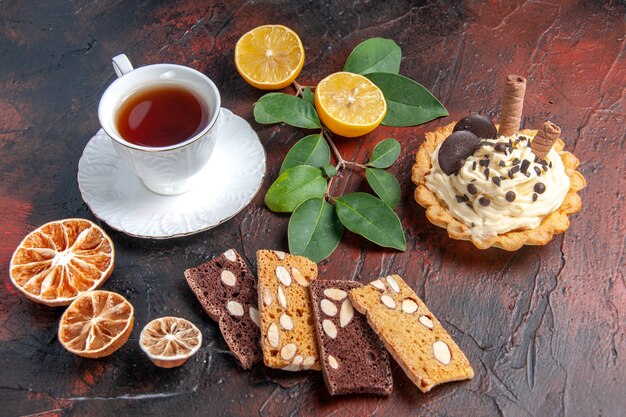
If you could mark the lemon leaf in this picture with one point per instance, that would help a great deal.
(385, 185)
(408, 102)
(279, 107)
(385, 153)
(310, 150)
(370, 217)
(374, 55)
(294, 186)
(308, 96)
(314, 230)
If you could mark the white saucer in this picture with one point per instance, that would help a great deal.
(226, 185)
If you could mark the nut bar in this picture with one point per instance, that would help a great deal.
(411, 333)
(227, 291)
(287, 332)
(354, 359)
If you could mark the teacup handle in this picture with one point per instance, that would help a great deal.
(121, 65)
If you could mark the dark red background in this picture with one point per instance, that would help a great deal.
(543, 326)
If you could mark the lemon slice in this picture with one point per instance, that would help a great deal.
(349, 104)
(269, 57)
(96, 324)
(170, 341)
(60, 260)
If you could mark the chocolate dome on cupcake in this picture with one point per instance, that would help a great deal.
(498, 186)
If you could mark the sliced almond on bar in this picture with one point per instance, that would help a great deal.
(378, 284)
(300, 279)
(409, 306)
(388, 301)
(426, 321)
(328, 307)
(393, 284)
(255, 316)
(286, 322)
(283, 275)
(230, 255)
(234, 308)
(228, 278)
(346, 313)
(329, 328)
(333, 362)
(442, 352)
(282, 298)
(273, 335)
(288, 351)
(335, 294)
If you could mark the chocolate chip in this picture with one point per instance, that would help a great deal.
(510, 196)
(500, 147)
(496, 180)
(460, 199)
(550, 164)
(479, 125)
(539, 188)
(538, 171)
(471, 188)
(535, 197)
(545, 168)
(522, 137)
(456, 149)
(484, 201)
(502, 163)
(474, 166)
(516, 161)
(543, 162)
(486, 172)
(515, 169)
(484, 162)
(525, 166)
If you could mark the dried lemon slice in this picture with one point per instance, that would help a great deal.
(170, 341)
(96, 324)
(269, 57)
(349, 104)
(60, 260)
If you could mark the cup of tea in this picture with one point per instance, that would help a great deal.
(162, 120)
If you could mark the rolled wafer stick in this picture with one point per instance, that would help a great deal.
(512, 104)
(545, 138)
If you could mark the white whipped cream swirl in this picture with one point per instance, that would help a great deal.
(501, 216)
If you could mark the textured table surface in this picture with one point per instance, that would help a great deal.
(543, 326)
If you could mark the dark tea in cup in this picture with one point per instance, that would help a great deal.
(161, 115)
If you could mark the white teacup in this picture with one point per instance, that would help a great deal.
(171, 169)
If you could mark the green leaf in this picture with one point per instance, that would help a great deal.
(370, 217)
(310, 150)
(314, 230)
(329, 170)
(385, 185)
(279, 107)
(374, 55)
(408, 102)
(261, 116)
(307, 95)
(294, 186)
(385, 153)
